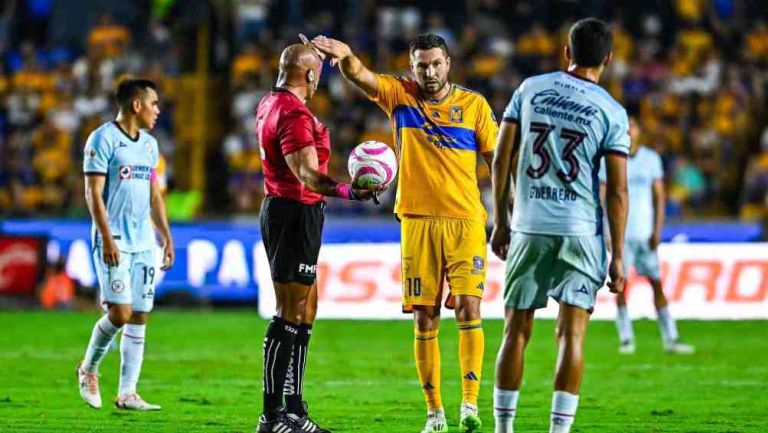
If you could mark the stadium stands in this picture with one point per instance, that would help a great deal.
(695, 75)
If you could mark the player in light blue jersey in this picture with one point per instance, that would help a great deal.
(560, 126)
(645, 177)
(123, 196)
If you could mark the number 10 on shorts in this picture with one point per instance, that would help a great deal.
(413, 286)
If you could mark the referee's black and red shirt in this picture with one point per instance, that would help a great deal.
(285, 125)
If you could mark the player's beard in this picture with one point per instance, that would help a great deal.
(428, 86)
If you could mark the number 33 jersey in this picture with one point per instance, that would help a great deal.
(566, 125)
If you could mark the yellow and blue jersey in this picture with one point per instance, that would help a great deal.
(437, 143)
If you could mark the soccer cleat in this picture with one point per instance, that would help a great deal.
(627, 347)
(678, 347)
(435, 422)
(134, 402)
(304, 422)
(281, 424)
(469, 422)
(89, 387)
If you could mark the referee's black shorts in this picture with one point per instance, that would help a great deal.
(292, 232)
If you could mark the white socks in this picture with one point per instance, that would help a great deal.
(103, 333)
(624, 324)
(667, 325)
(131, 357)
(564, 405)
(504, 409)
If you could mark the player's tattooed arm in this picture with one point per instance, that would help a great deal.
(507, 145)
(160, 220)
(349, 64)
(304, 165)
(94, 198)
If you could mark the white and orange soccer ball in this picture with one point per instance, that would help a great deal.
(371, 164)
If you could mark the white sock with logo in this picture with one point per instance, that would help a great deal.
(624, 324)
(103, 333)
(504, 409)
(564, 405)
(667, 325)
(131, 357)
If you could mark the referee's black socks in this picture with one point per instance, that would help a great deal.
(278, 345)
(294, 384)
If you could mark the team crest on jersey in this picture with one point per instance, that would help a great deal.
(436, 114)
(148, 146)
(125, 172)
(457, 114)
(118, 286)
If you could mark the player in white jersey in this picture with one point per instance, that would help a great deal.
(560, 125)
(124, 198)
(645, 177)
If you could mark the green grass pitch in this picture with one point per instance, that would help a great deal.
(204, 368)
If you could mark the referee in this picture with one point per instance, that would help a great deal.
(295, 149)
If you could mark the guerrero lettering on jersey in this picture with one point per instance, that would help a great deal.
(566, 125)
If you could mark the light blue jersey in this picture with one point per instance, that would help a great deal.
(643, 168)
(566, 125)
(128, 165)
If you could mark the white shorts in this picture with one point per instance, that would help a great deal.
(131, 282)
(639, 255)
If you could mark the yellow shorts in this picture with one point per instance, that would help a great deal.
(436, 249)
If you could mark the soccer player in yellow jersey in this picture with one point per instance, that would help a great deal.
(439, 128)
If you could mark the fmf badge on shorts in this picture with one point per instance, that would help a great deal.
(118, 286)
(478, 263)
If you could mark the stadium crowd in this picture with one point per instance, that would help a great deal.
(694, 72)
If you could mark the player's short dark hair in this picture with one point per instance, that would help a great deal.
(132, 88)
(590, 41)
(427, 41)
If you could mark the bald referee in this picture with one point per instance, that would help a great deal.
(295, 149)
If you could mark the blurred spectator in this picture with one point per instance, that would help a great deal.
(108, 37)
(248, 65)
(246, 182)
(58, 289)
(756, 47)
(755, 193)
(250, 18)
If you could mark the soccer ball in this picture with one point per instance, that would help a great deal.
(372, 164)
